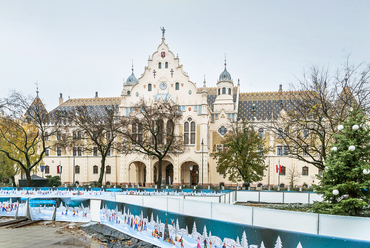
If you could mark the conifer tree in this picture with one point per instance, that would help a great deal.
(262, 245)
(166, 234)
(345, 182)
(299, 245)
(278, 243)
(244, 240)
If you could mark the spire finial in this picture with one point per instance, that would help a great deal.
(37, 89)
(204, 82)
(225, 60)
(163, 30)
(132, 66)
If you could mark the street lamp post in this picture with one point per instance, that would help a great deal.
(202, 163)
(74, 163)
(191, 172)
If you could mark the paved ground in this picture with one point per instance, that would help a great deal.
(47, 234)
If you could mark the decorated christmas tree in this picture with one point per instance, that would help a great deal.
(345, 182)
(166, 234)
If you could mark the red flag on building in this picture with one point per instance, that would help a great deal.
(59, 169)
(278, 168)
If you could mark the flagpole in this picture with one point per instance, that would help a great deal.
(279, 170)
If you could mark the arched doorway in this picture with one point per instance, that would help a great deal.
(195, 175)
(189, 173)
(169, 174)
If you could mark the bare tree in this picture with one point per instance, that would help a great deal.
(150, 129)
(315, 106)
(23, 126)
(293, 175)
(93, 130)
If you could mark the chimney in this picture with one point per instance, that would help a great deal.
(280, 87)
(60, 99)
(96, 94)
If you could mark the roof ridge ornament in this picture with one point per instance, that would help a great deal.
(163, 31)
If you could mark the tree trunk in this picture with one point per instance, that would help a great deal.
(159, 181)
(102, 170)
(13, 180)
(28, 175)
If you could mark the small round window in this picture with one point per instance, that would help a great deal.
(222, 131)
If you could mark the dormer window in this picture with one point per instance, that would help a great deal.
(229, 91)
(159, 65)
(253, 107)
(166, 65)
(177, 86)
(149, 87)
(224, 90)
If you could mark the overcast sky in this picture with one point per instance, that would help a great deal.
(79, 47)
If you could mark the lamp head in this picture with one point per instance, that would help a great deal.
(191, 167)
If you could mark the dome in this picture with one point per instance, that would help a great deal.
(225, 75)
(131, 80)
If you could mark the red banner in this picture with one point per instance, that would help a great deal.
(278, 168)
(59, 169)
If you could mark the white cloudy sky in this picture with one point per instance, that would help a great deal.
(79, 47)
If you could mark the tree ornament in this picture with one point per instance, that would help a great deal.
(340, 127)
(366, 171)
(334, 149)
(355, 127)
(326, 168)
(351, 148)
(335, 192)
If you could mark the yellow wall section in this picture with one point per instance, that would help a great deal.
(198, 138)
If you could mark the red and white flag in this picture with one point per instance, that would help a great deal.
(278, 168)
(59, 169)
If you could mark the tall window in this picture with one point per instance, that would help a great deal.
(283, 170)
(79, 151)
(219, 90)
(279, 150)
(107, 135)
(177, 86)
(59, 135)
(79, 135)
(159, 65)
(108, 169)
(46, 136)
(286, 132)
(224, 90)
(149, 87)
(304, 171)
(189, 133)
(47, 169)
(280, 133)
(134, 131)
(229, 91)
(286, 150)
(77, 169)
(95, 169)
(95, 151)
(74, 135)
(140, 132)
(59, 151)
(47, 152)
(74, 151)
(260, 132)
(306, 133)
(166, 65)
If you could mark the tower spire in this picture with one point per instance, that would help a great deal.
(132, 66)
(225, 60)
(37, 89)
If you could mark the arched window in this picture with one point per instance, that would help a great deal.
(260, 132)
(74, 135)
(166, 65)
(128, 92)
(149, 87)
(79, 135)
(95, 169)
(170, 128)
(46, 136)
(192, 132)
(140, 132)
(219, 91)
(177, 86)
(79, 151)
(134, 132)
(159, 65)
(186, 133)
(229, 91)
(74, 151)
(223, 90)
(304, 171)
(108, 169)
(47, 169)
(77, 169)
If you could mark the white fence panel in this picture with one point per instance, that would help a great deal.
(315, 197)
(295, 197)
(345, 226)
(156, 202)
(232, 213)
(203, 198)
(95, 209)
(245, 196)
(130, 199)
(174, 205)
(273, 197)
(198, 209)
(285, 220)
